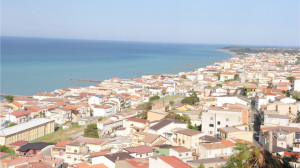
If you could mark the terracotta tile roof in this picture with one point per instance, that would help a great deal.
(137, 120)
(20, 113)
(18, 143)
(85, 165)
(174, 162)
(17, 104)
(157, 106)
(62, 144)
(140, 149)
(72, 107)
(227, 143)
(102, 153)
(138, 162)
(3, 154)
(104, 106)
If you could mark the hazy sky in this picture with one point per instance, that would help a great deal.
(246, 22)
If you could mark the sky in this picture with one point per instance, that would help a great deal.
(236, 22)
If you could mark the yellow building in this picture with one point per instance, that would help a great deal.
(27, 131)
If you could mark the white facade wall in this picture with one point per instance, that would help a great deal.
(297, 85)
(212, 120)
(104, 160)
(231, 100)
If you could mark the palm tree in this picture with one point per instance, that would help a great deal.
(249, 156)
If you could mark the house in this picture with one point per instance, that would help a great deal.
(167, 162)
(188, 138)
(3, 122)
(94, 144)
(18, 117)
(212, 150)
(144, 138)
(276, 119)
(103, 110)
(218, 117)
(30, 149)
(165, 125)
(217, 162)
(181, 152)
(110, 159)
(27, 131)
(232, 100)
(143, 151)
(85, 165)
(37, 161)
(134, 125)
(154, 115)
(59, 149)
(17, 145)
(87, 120)
(239, 131)
(226, 76)
(97, 99)
(75, 151)
(60, 114)
(133, 163)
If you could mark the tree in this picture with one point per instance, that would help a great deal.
(295, 95)
(236, 77)
(219, 85)
(9, 98)
(250, 156)
(286, 160)
(164, 92)
(91, 131)
(192, 100)
(154, 98)
(12, 124)
(5, 149)
(183, 76)
(145, 108)
(291, 78)
(201, 166)
(184, 118)
(171, 102)
(218, 75)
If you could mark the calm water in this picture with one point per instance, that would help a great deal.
(30, 65)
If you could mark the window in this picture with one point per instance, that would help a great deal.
(211, 118)
(210, 132)
(182, 141)
(187, 154)
(75, 159)
(180, 154)
(297, 135)
(227, 119)
(211, 125)
(219, 123)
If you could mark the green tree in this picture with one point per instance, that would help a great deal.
(295, 95)
(164, 92)
(236, 77)
(249, 156)
(9, 98)
(219, 85)
(144, 108)
(171, 102)
(91, 131)
(184, 118)
(183, 76)
(291, 78)
(218, 75)
(12, 124)
(201, 166)
(5, 149)
(154, 98)
(191, 100)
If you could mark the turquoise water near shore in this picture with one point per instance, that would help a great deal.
(31, 65)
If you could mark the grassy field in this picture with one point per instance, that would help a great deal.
(61, 134)
(166, 99)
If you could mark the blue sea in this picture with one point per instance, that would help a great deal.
(31, 65)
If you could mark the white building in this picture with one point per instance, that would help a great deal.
(275, 119)
(297, 85)
(217, 117)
